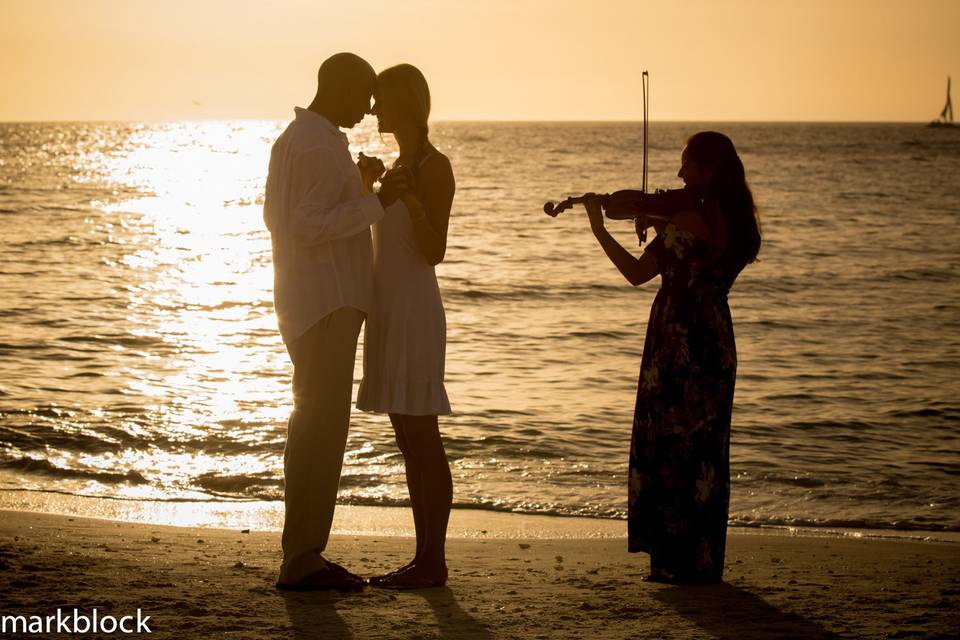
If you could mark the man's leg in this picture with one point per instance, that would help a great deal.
(323, 360)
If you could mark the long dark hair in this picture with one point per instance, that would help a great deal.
(728, 190)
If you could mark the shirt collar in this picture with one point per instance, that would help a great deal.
(316, 119)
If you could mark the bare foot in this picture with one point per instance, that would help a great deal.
(376, 580)
(413, 577)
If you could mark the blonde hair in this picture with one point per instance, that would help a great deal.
(407, 89)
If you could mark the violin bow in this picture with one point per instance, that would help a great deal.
(553, 210)
(646, 113)
(645, 81)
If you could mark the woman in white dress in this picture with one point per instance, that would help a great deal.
(405, 335)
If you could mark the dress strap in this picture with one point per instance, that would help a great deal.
(424, 159)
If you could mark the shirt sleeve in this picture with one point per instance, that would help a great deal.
(320, 216)
(271, 216)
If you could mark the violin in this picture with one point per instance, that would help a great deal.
(631, 204)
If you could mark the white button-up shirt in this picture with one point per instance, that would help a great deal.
(319, 221)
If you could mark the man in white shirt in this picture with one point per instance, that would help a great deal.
(319, 220)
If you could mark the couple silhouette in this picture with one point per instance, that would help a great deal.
(332, 274)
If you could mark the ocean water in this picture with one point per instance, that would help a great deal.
(141, 362)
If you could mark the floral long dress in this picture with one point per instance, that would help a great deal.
(679, 483)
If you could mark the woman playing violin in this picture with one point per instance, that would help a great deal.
(679, 481)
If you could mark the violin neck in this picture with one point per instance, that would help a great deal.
(581, 199)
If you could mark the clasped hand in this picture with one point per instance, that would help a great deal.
(394, 184)
(371, 168)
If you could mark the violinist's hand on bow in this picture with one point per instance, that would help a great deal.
(594, 209)
(394, 183)
(640, 225)
(371, 168)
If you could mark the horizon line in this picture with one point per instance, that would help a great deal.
(469, 120)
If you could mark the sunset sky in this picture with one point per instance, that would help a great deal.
(848, 60)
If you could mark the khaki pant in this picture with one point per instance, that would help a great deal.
(323, 360)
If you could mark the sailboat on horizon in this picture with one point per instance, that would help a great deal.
(946, 116)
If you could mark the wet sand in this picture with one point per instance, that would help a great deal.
(203, 582)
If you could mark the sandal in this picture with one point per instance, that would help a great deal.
(322, 580)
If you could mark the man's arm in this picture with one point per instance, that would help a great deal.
(321, 217)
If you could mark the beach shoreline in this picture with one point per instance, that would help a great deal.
(390, 521)
(203, 582)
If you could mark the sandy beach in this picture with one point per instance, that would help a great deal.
(205, 582)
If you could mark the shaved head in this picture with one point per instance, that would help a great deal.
(345, 83)
(343, 72)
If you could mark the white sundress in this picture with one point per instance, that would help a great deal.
(405, 336)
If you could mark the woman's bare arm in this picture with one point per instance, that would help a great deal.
(430, 207)
(637, 271)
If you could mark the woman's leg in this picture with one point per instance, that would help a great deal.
(430, 479)
(423, 437)
(414, 483)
